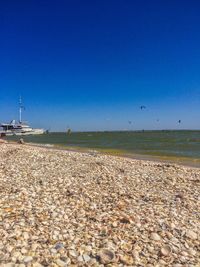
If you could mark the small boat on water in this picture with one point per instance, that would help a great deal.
(18, 128)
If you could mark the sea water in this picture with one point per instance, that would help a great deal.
(155, 143)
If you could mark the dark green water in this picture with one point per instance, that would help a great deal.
(157, 143)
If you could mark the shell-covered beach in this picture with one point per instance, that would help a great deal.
(61, 208)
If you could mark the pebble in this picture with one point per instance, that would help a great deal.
(59, 246)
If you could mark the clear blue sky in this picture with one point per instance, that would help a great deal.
(89, 65)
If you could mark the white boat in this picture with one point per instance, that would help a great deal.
(19, 128)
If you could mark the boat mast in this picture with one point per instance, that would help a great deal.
(20, 109)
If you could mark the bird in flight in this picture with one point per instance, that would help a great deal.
(142, 107)
(179, 121)
(129, 122)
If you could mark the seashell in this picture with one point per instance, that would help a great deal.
(26, 235)
(192, 252)
(80, 258)
(121, 204)
(28, 259)
(9, 249)
(126, 246)
(184, 253)
(34, 246)
(106, 256)
(104, 231)
(61, 263)
(166, 250)
(155, 236)
(24, 251)
(114, 224)
(151, 249)
(86, 257)
(8, 209)
(162, 262)
(35, 264)
(9, 264)
(191, 234)
(16, 254)
(127, 260)
(63, 208)
(73, 253)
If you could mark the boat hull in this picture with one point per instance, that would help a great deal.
(17, 133)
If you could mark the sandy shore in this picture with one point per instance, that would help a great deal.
(61, 208)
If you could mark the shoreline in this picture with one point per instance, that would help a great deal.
(181, 161)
